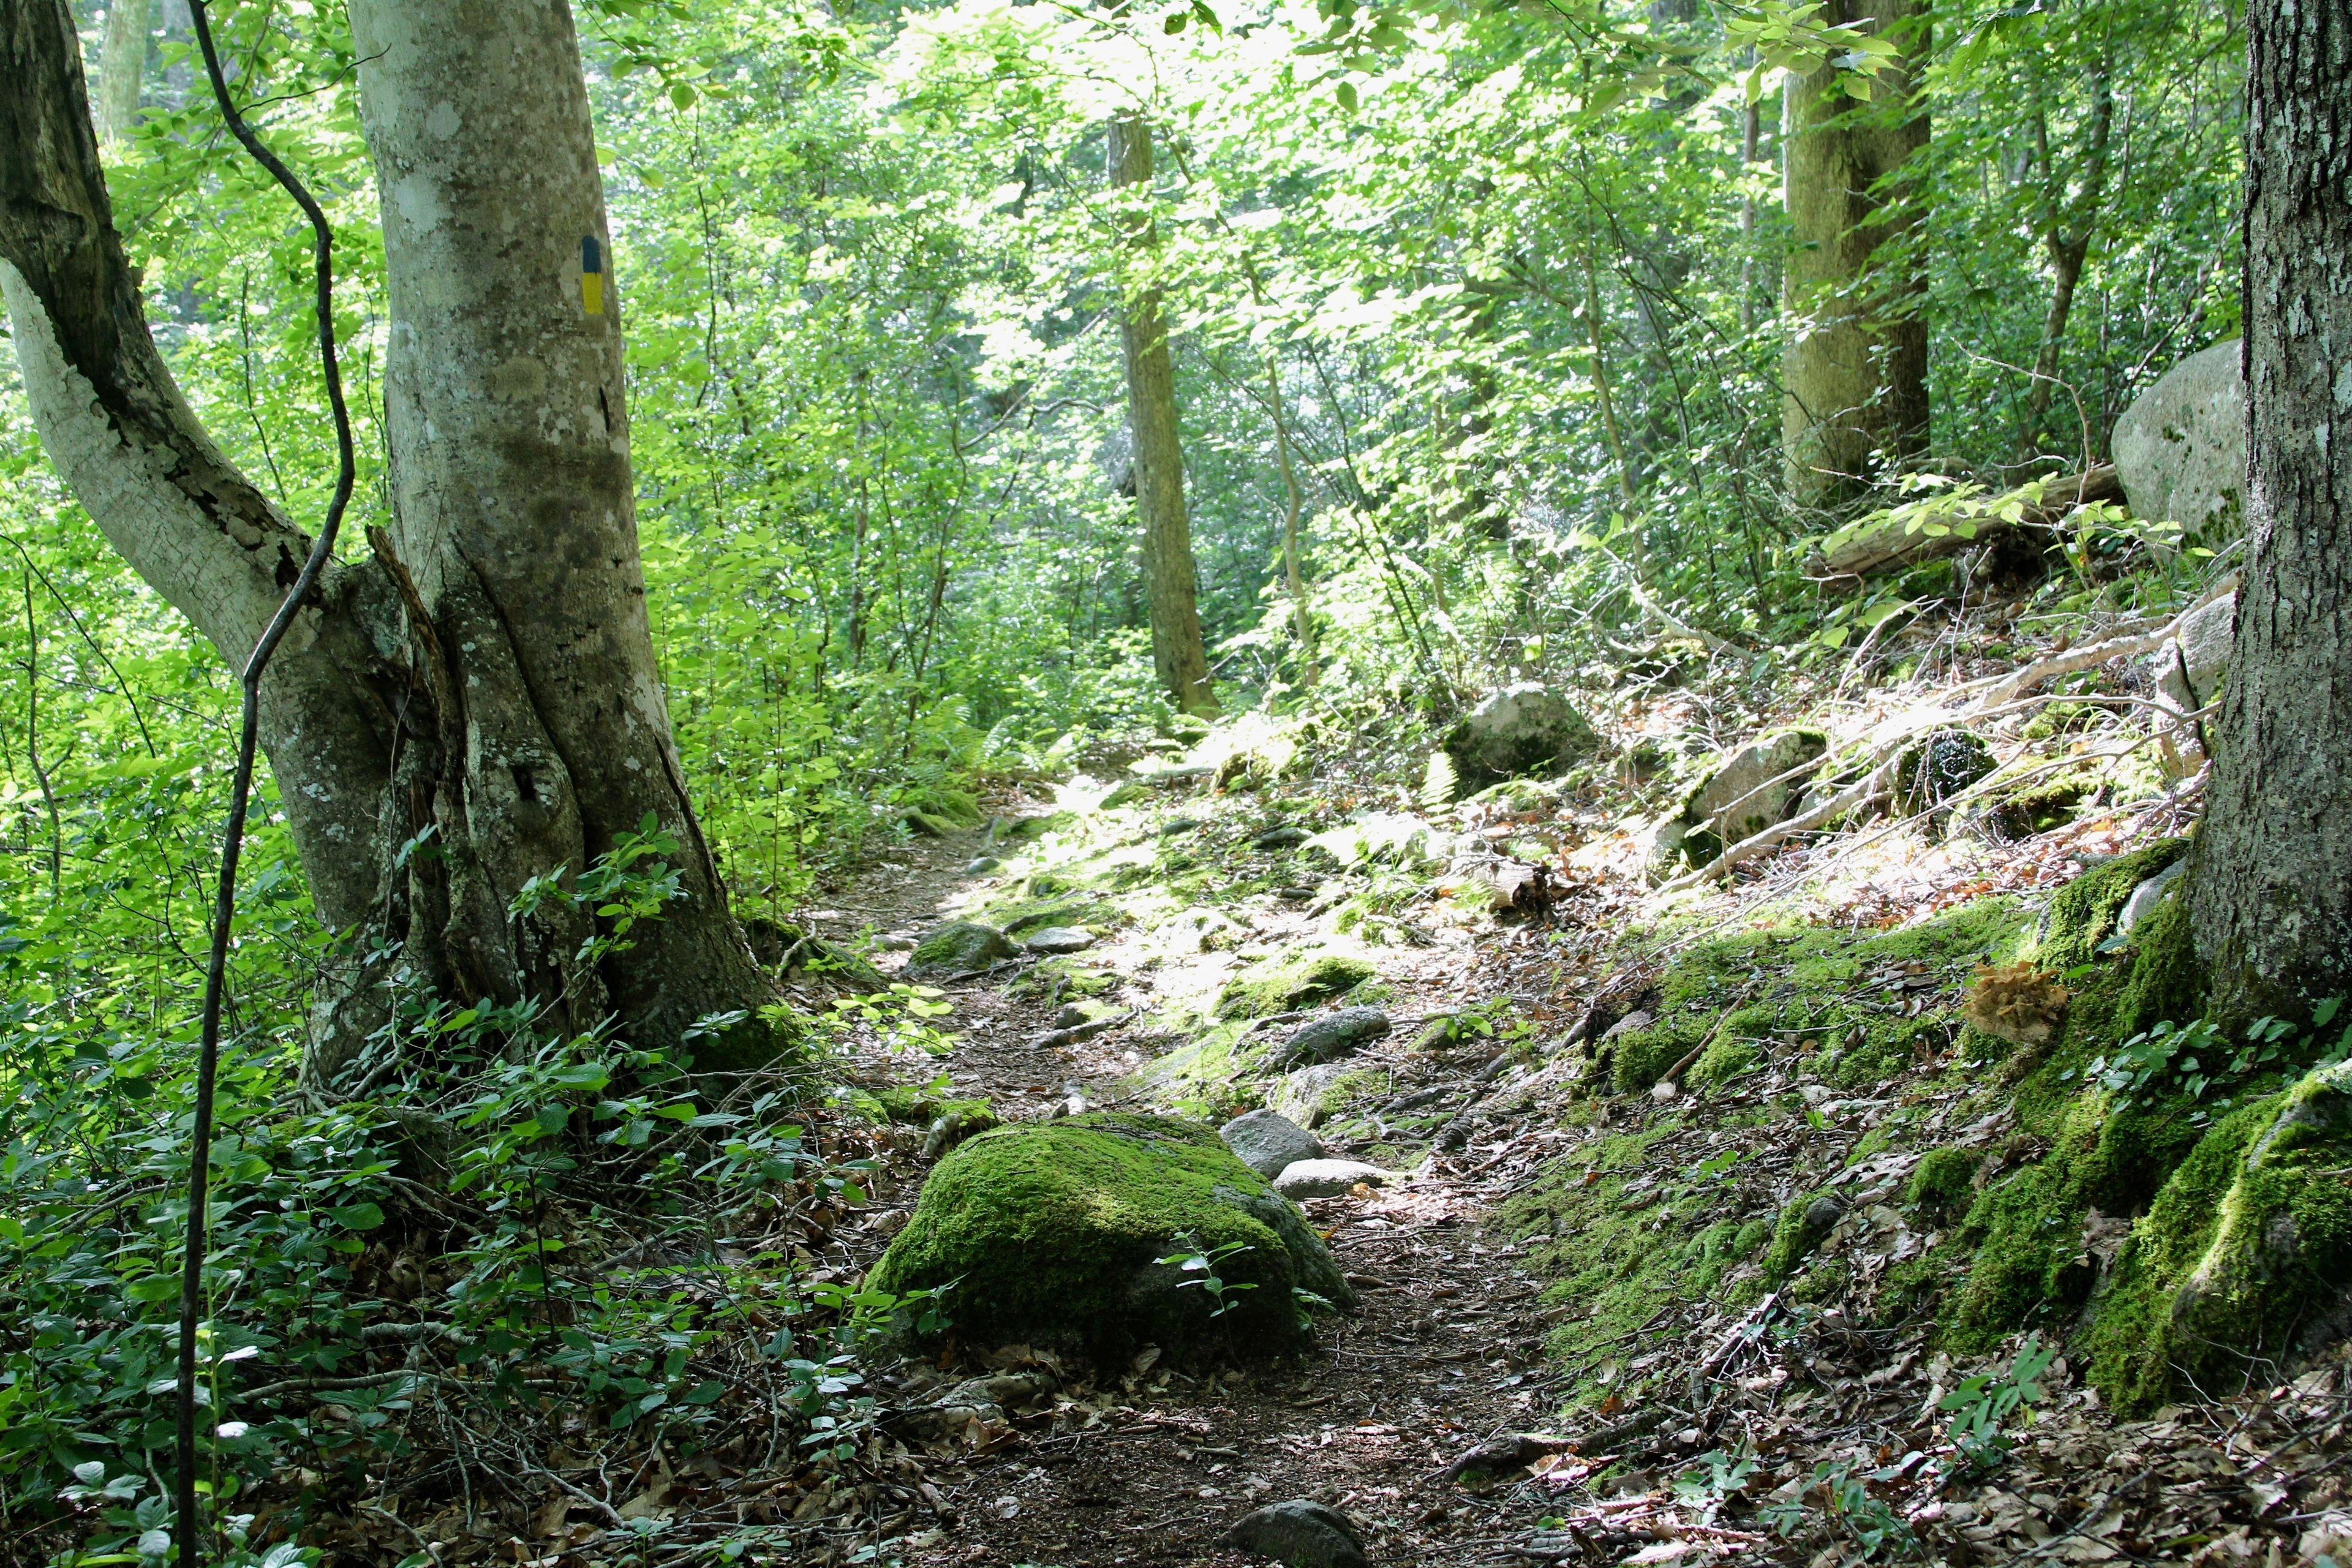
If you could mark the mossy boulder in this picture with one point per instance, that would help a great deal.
(1741, 796)
(1523, 729)
(2243, 1265)
(1936, 769)
(1050, 1233)
(957, 949)
(1293, 981)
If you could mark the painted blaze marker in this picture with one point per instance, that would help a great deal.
(592, 275)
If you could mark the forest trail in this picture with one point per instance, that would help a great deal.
(1445, 1352)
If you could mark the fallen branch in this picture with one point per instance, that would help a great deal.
(1904, 535)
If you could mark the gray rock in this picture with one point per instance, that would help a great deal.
(1329, 1178)
(1300, 1533)
(1632, 1022)
(1523, 729)
(1329, 1037)
(2180, 448)
(1737, 799)
(2148, 895)
(1300, 1094)
(1058, 939)
(957, 949)
(1280, 838)
(1267, 1142)
(982, 865)
(2201, 654)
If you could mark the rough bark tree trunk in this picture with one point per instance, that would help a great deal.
(1854, 378)
(486, 682)
(122, 66)
(1170, 582)
(2271, 899)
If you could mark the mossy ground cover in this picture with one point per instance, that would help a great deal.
(1846, 1001)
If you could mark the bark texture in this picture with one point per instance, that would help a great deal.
(118, 429)
(516, 511)
(2271, 902)
(123, 66)
(1170, 581)
(484, 687)
(1854, 378)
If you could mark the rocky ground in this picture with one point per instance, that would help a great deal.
(1523, 1384)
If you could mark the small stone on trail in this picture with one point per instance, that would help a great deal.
(1269, 1143)
(1058, 939)
(1071, 1017)
(1300, 1533)
(982, 866)
(1329, 1178)
(1664, 1090)
(1294, 895)
(1280, 838)
(1336, 1035)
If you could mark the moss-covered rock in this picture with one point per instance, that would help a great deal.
(1049, 1232)
(2244, 1262)
(1937, 767)
(2081, 914)
(1293, 981)
(959, 948)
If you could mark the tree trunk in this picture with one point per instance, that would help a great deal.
(484, 686)
(1854, 378)
(2271, 902)
(1170, 584)
(2067, 231)
(123, 67)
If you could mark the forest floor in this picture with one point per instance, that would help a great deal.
(1687, 1420)
(1444, 1354)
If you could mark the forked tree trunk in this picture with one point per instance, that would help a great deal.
(483, 690)
(1854, 378)
(2271, 902)
(1170, 581)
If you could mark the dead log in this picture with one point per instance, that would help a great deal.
(1944, 525)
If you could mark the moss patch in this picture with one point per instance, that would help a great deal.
(1295, 980)
(1617, 1242)
(1826, 987)
(1048, 1233)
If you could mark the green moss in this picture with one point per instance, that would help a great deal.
(1615, 1257)
(1942, 1185)
(1794, 1236)
(959, 947)
(914, 1105)
(2081, 914)
(1048, 1232)
(2167, 982)
(1296, 980)
(2131, 1341)
(2244, 1261)
(1807, 983)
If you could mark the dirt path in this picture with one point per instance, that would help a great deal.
(1148, 1465)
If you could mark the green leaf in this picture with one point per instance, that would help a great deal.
(153, 1288)
(357, 1216)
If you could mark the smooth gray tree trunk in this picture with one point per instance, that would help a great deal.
(1171, 579)
(2271, 901)
(483, 688)
(122, 66)
(1854, 376)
